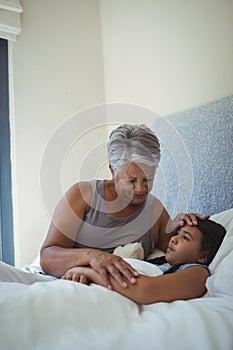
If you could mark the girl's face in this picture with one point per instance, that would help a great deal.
(134, 181)
(185, 247)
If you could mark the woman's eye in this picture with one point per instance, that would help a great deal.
(132, 181)
(186, 238)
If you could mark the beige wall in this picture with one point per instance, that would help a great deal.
(57, 71)
(163, 55)
(167, 55)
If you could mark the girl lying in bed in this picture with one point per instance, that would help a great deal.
(185, 271)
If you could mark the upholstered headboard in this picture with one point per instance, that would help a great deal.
(196, 168)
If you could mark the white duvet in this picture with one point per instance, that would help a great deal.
(67, 315)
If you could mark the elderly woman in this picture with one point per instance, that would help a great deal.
(95, 217)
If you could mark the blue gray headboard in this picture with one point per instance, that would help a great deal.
(196, 168)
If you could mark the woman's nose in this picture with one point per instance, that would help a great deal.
(139, 186)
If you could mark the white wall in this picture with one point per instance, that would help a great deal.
(57, 71)
(167, 55)
(164, 55)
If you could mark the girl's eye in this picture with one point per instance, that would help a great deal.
(186, 238)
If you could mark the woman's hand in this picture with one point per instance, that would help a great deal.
(183, 219)
(106, 265)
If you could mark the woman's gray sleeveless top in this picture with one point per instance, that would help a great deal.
(102, 231)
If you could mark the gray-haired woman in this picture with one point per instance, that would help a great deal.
(95, 217)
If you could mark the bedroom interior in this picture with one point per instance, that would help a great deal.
(173, 58)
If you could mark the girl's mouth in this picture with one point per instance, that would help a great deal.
(169, 249)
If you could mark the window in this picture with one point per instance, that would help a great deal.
(6, 213)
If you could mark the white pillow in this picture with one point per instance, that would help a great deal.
(144, 267)
(221, 281)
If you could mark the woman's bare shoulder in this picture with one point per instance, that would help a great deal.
(158, 208)
(80, 191)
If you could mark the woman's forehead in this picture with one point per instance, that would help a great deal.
(133, 168)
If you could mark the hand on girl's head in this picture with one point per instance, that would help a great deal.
(191, 218)
(183, 219)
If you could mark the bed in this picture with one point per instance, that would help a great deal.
(67, 315)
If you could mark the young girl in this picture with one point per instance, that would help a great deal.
(188, 255)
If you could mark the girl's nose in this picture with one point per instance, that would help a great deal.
(174, 239)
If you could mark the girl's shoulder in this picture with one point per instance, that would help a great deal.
(165, 268)
(184, 266)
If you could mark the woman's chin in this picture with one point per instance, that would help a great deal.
(138, 199)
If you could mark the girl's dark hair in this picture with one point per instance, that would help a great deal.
(212, 237)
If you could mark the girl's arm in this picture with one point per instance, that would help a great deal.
(186, 284)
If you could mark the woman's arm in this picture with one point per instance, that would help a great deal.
(57, 254)
(161, 218)
(186, 284)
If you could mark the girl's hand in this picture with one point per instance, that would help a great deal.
(76, 274)
(183, 219)
(83, 275)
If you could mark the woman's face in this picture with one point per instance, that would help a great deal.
(185, 247)
(134, 181)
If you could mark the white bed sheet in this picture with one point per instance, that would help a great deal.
(67, 315)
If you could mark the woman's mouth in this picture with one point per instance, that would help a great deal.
(140, 195)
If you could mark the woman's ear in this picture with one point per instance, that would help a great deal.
(111, 170)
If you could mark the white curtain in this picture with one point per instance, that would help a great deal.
(10, 23)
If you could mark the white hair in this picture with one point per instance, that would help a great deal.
(133, 143)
